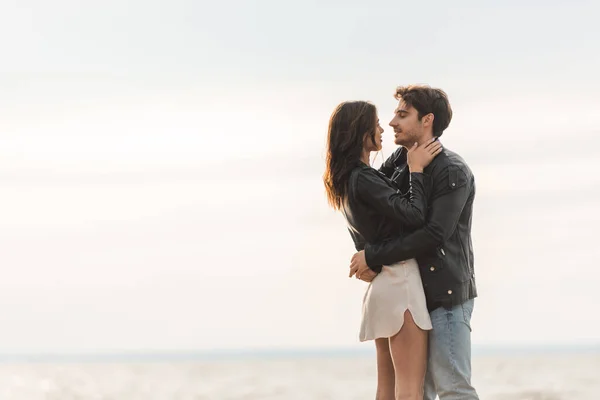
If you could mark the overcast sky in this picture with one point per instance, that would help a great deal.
(161, 162)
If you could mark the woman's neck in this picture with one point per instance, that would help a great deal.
(364, 157)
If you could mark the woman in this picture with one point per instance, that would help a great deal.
(394, 310)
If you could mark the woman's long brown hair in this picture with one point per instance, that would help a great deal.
(349, 123)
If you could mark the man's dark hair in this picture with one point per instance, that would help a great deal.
(425, 100)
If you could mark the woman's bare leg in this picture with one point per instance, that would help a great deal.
(409, 355)
(385, 371)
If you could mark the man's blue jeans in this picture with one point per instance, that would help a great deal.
(449, 363)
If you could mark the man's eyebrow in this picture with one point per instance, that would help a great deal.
(401, 110)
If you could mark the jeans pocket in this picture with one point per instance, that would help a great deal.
(467, 310)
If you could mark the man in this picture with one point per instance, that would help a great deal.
(442, 247)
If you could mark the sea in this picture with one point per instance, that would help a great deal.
(520, 375)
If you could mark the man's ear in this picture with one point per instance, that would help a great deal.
(428, 119)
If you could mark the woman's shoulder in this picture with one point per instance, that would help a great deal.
(366, 176)
(368, 171)
(362, 172)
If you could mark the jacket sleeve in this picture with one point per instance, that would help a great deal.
(386, 200)
(452, 191)
(359, 244)
(398, 157)
(359, 240)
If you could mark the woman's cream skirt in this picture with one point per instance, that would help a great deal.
(394, 290)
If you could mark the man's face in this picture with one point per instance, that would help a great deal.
(407, 127)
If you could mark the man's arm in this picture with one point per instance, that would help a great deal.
(359, 244)
(451, 192)
(358, 239)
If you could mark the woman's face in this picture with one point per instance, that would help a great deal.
(368, 142)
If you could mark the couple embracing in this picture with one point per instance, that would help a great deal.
(411, 224)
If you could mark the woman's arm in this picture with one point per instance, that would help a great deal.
(378, 193)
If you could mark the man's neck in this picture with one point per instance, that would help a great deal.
(425, 139)
(421, 141)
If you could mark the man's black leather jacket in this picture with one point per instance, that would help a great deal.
(443, 245)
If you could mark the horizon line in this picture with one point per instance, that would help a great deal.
(272, 353)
